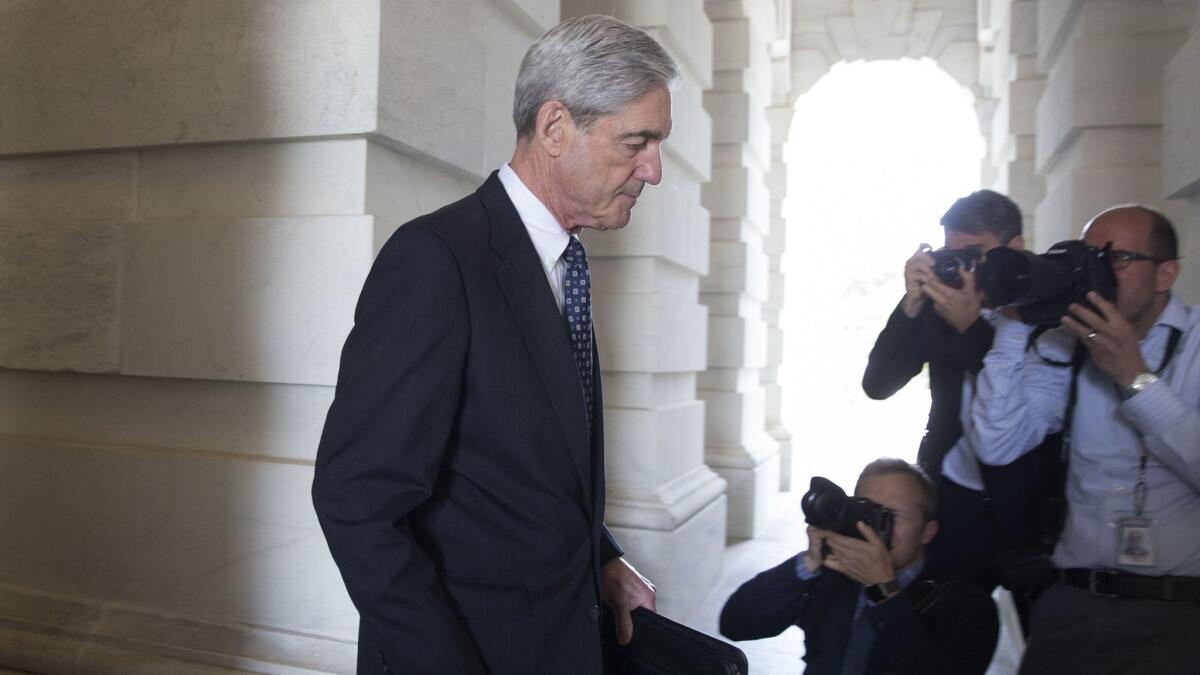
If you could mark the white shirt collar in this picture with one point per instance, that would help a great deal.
(549, 237)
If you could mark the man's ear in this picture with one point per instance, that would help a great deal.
(553, 127)
(930, 531)
(1166, 275)
(1017, 242)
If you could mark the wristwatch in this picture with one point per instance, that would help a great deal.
(1139, 383)
(882, 591)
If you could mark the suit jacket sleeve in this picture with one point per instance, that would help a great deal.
(899, 354)
(384, 440)
(957, 639)
(609, 547)
(968, 349)
(906, 344)
(766, 605)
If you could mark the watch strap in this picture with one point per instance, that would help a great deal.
(882, 591)
(1137, 385)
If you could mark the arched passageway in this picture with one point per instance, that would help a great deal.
(878, 151)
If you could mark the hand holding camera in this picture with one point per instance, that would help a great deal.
(958, 307)
(864, 560)
(850, 535)
(946, 277)
(918, 271)
(1111, 340)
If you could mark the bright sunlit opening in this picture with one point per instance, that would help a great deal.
(878, 151)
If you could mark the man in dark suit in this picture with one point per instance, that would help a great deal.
(944, 325)
(460, 477)
(865, 609)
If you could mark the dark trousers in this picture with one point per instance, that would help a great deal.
(968, 539)
(968, 543)
(1077, 632)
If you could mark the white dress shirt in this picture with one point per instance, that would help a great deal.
(549, 238)
(962, 464)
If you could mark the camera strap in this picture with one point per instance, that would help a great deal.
(1076, 364)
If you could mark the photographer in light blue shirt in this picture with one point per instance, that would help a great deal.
(1127, 598)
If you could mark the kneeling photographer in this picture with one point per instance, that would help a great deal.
(861, 592)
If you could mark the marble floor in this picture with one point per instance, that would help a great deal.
(781, 655)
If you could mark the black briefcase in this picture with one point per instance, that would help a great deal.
(661, 646)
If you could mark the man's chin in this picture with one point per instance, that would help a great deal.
(613, 222)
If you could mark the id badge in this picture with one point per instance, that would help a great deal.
(1135, 541)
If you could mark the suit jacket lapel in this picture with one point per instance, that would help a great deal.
(523, 281)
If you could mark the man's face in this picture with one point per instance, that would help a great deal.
(1140, 282)
(603, 170)
(901, 493)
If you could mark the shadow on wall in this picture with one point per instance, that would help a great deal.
(170, 318)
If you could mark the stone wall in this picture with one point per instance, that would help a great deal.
(1011, 78)
(191, 194)
(1099, 121)
(1181, 151)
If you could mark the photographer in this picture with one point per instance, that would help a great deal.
(863, 608)
(945, 327)
(1127, 599)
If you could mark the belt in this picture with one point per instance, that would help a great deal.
(1115, 583)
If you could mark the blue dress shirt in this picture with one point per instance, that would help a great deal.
(1019, 399)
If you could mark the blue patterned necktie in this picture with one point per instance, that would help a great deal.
(577, 308)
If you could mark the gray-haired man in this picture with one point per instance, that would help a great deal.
(460, 478)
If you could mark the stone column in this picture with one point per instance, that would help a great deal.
(666, 507)
(191, 195)
(1099, 122)
(1181, 152)
(779, 117)
(1013, 80)
(736, 289)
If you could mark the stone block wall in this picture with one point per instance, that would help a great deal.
(1181, 151)
(1099, 121)
(736, 290)
(1013, 80)
(191, 195)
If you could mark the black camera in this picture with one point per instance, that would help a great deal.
(826, 506)
(947, 261)
(1041, 286)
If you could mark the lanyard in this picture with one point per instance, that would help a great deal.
(1140, 489)
(1076, 364)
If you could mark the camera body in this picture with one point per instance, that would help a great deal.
(947, 261)
(1041, 287)
(826, 506)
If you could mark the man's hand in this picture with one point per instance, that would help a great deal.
(624, 590)
(1109, 337)
(867, 562)
(917, 272)
(958, 307)
(812, 557)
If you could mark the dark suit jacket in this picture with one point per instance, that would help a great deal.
(903, 347)
(456, 482)
(955, 635)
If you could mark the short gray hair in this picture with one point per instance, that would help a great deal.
(594, 65)
(887, 465)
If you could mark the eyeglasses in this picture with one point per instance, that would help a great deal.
(1122, 259)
